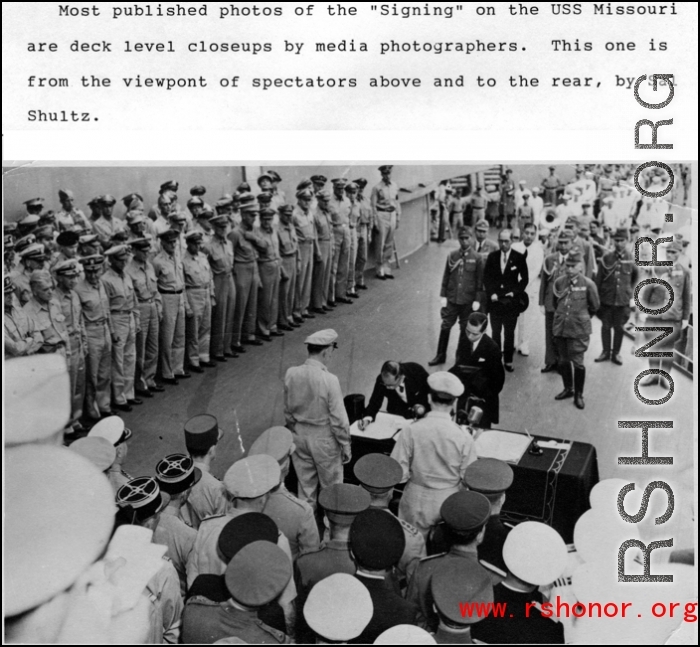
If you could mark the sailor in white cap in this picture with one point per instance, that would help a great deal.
(315, 413)
(248, 483)
(535, 555)
(141, 504)
(338, 608)
(112, 428)
(294, 517)
(434, 453)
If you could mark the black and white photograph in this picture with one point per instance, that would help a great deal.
(348, 402)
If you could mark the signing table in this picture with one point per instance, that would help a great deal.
(551, 486)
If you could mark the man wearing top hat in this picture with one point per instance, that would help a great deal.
(199, 299)
(387, 216)
(171, 285)
(576, 301)
(125, 317)
(433, 453)
(616, 279)
(315, 413)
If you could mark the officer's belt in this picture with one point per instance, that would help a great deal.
(339, 225)
(196, 287)
(306, 242)
(389, 209)
(146, 301)
(169, 291)
(267, 260)
(101, 322)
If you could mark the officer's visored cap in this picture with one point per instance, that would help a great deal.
(482, 225)
(464, 232)
(266, 212)
(405, 635)
(244, 199)
(377, 539)
(258, 573)
(176, 473)
(45, 231)
(465, 511)
(322, 337)
(243, 187)
(30, 380)
(339, 607)
(99, 451)
(378, 473)
(68, 238)
(95, 202)
(324, 195)
(317, 179)
(113, 429)
(251, 477)
(219, 219)
(93, 261)
(87, 239)
(169, 234)
(142, 497)
(361, 182)
(243, 530)
(621, 234)
(198, 190)
(342, 501)
(304, 194)
(276, 177)
(535, 553)
(170, 185)
(34, 251)
(201, 433)
(488, 475)
(386, 167)
(131, 199)
(573, 258)
(118, 251)
(551, 168)
(351, 187)
(566, 234)
(30, 221)
(277, 442)
(25, 241)
(65, 194)
(264, 199)
(339, 182)
(195, 201)
(141, 243)
(264, 176)
(458, 582)
(446, 384)
(304, 184)
(108, 200)
(285, 208)
(250, 208)
(194, 236)
(69, 268)
(59, 513)
(207, 212)
(34, 202)
(178, 216)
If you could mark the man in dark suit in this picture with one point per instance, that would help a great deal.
(405, 387)
(505, 279)
(479, 367)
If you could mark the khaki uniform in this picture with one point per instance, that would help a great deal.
(306, 240)
(220, 254)
(295, 518)
(49, 320)
(97, 317)
(387, 210)
(434, 453)
(21, 335)
(73, 313)
(269, 268)
(20, 281)
(69, 220)
(172, 532)
(342, 240)
(247, 280)
(575, 302)
(171, 285)
(207, 498)
(413, 552)
(321, 282)
(553, 268)
(125, 323)
(289, 251)
(163, 591)
(315, 413)
(106, 229)
(143, 276)
(461, 286)
(365, 226)
(354, 219)
(199, 289)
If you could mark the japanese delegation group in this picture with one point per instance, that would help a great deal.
(304, 539)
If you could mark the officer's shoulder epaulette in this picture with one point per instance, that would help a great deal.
(211, 517)
(429, 557)
(290, 497)
(408, 527)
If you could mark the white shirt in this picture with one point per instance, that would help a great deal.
(535, 257)
(504, 260)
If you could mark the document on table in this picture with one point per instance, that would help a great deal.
(384, 427)
(504, 445)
